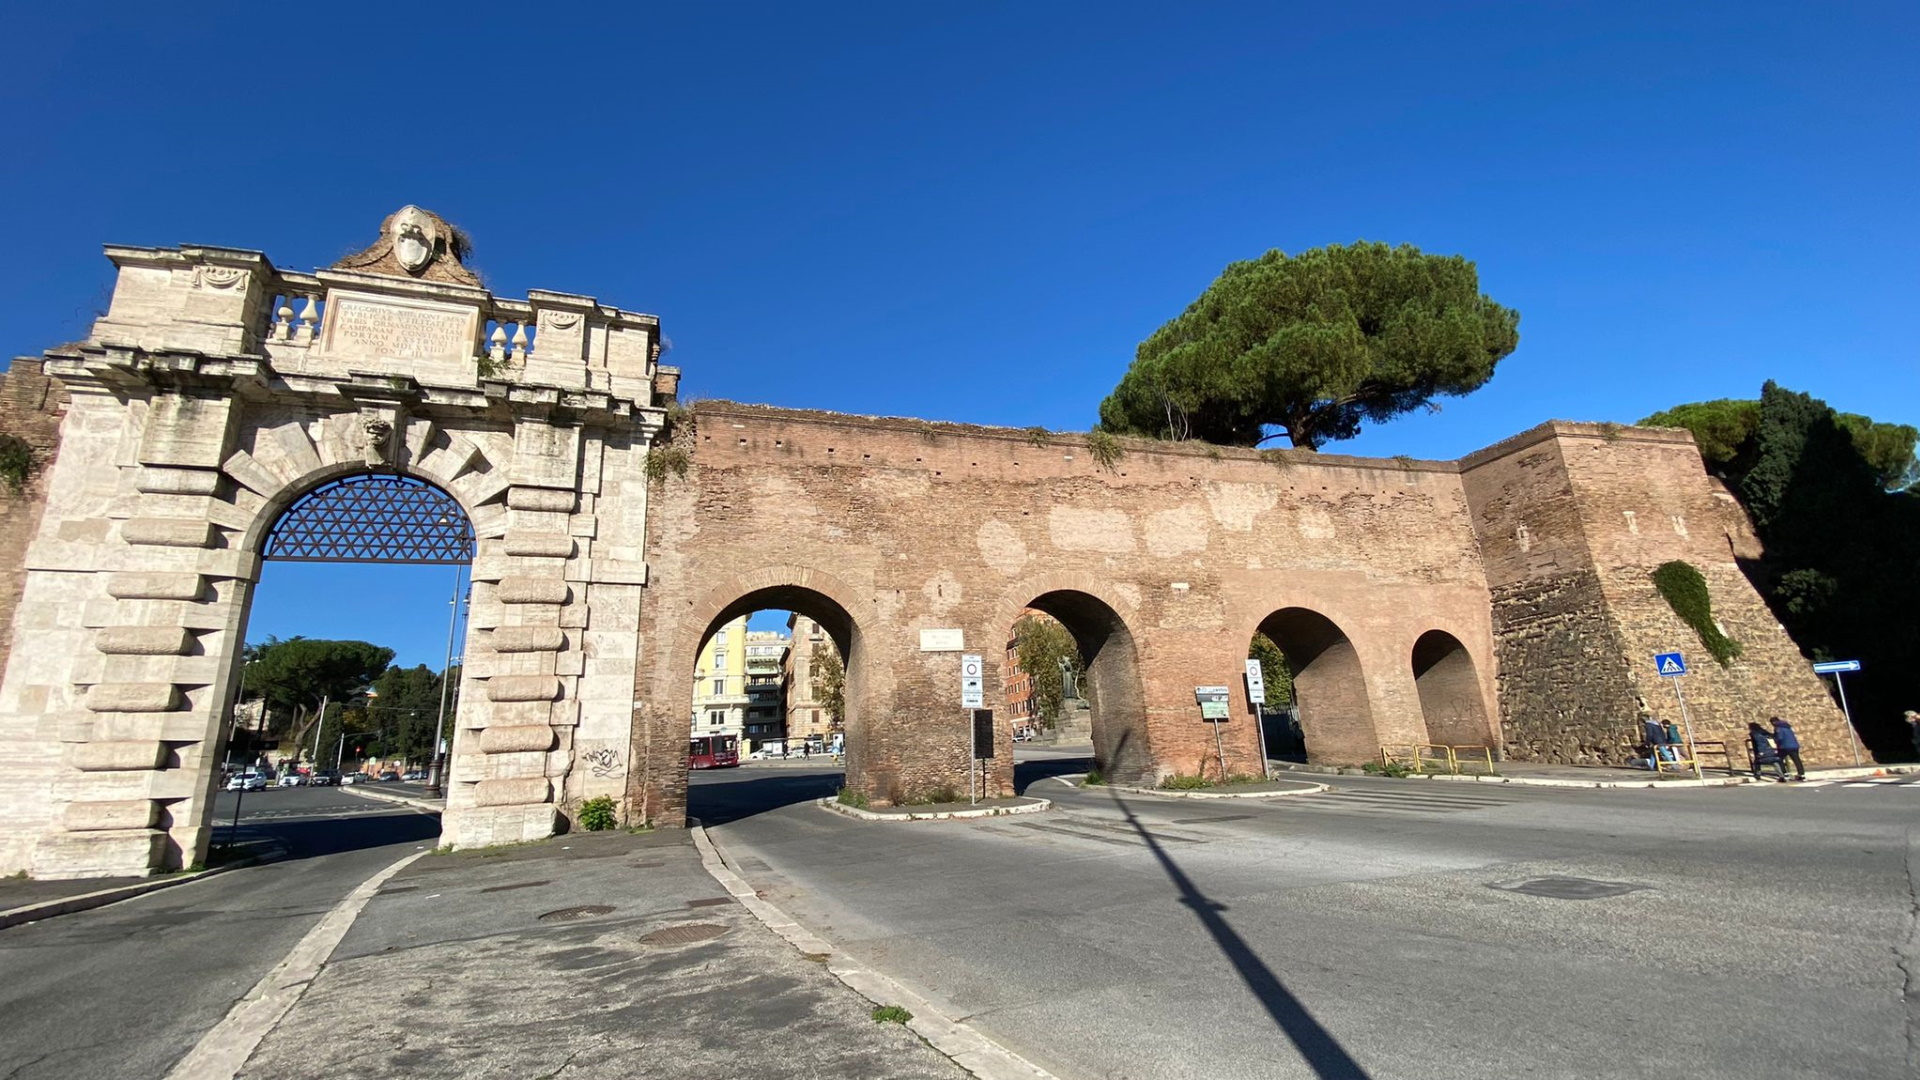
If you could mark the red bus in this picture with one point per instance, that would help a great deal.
(713, 752)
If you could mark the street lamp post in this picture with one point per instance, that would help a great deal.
(436, 771)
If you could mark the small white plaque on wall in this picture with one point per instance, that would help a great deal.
(942, 641)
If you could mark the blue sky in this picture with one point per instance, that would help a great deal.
(976, 212)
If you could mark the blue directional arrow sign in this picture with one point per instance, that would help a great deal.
(1832, 667)
(1669, 663)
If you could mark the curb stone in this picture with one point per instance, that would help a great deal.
(1308, 787)
(68, 905)
(968, 1048)
(425, 806)
(1036, 806)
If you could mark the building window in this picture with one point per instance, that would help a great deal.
(719, 687)
(719, 658)
(815, 717)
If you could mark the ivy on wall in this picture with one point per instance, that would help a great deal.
(16, 462)
(1685, 589)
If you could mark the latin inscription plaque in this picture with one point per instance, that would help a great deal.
(395, 329)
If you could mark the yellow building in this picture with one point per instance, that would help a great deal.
(720, 683)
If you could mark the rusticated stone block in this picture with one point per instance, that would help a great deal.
(168, 532)
(136, 697)
(116, 756)
(526, 639)
(111, 814)
(519, 792)
(102, 853)
(143, 640)
(523, 688)
(163, 481)
(532, 590)
(516, 738)
(552, 500)
(139, 585)
(539, 545)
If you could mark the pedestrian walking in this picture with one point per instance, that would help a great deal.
(1789, 746)
(1913, 721)
(1761, 745)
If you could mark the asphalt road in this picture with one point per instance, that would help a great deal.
(1377, 931)
(123, 991)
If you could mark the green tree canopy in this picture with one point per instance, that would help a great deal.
(1041, 644)
(1727, 432)
(1274, 671)
(829, 675)
(1314, 344)
(293, 675)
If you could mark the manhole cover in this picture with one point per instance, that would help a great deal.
(711, 901)
(1568, 888)
(569, 914)
(684, 935)
(515, 885)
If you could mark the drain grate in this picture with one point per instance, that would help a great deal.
(1568, 888)
(711, 901)
(569, 914)
(515, 885)
(684, 935)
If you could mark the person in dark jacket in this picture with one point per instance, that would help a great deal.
(1658, 749)
(1789, 744)
(1763, 753)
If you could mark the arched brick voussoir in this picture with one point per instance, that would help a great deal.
(703, 612)
(1017, 597)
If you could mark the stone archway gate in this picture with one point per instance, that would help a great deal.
(218, 389)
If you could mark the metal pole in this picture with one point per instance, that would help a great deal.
(972, 758)
(434, 778)
(1260, 728)
(1221, 747)
(1688, 721)
(319, 727)
(1853, 737)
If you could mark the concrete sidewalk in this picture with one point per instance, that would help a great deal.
(1595, 776)
(25, 900)
(604, 954)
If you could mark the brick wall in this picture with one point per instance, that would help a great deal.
(31, 405)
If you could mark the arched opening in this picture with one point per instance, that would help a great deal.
(1450, 698)
(349, 672)
(1101, 690)
(777, 686)
(1329, 692)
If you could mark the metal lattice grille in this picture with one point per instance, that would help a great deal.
(385, 519)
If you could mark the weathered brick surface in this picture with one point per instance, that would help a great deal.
(30, 409)
(1164, 566)
(1572, 520)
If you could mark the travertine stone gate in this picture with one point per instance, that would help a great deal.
(215, 392)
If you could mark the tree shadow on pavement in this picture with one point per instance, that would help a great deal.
(312, 837)
(1316, 1044)
(719, 802)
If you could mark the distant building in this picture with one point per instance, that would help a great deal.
(807, 716)
(720, 697)
(766, 657)
(1020, 702)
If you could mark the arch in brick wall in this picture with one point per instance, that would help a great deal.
(1112, 683)
(1449, 686)
(1329, 687)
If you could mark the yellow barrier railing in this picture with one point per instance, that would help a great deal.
(1439, 758)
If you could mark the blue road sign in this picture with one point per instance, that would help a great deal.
(1669, 663)
(1832, 667)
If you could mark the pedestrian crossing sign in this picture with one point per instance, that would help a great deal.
(1669, 663)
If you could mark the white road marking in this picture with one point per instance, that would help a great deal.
(224, 1050)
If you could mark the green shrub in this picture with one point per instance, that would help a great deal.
(1386, 768)
(1105, 448)
(891, 1014)
(16, 462)
(598, 814)
(1185, 783)
(1685, 589)
(1094, 778)
(850, 797)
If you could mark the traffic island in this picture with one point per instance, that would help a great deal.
(1248, 789)
(941, 811)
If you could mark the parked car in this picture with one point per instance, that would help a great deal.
(349, 778)
(323, 779)
(415, 775)
(390, 776)
(290, 780)
(251, 781)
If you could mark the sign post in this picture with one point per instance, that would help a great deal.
(1671, 665)
(1257, 694)
(972, 696)
(1835, 668)
(1213, 709)
(982, 749)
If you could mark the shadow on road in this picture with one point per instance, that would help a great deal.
(1027, 773)
(312, 837)
(1316, 1044)
(717, 802)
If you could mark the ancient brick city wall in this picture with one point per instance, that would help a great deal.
(1573, 519)
(30, 409)
(1164, 565)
